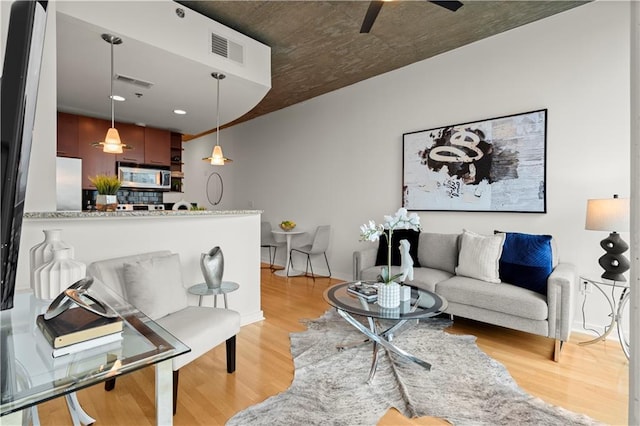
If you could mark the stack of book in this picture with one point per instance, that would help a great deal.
(78, 329)
(367, 291)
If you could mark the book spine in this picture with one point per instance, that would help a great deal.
(45, 331)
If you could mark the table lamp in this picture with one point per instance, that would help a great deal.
(610, 214)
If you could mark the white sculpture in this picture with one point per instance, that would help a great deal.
(406, 262)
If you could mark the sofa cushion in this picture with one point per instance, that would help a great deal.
(479, 256)
(397, 235)
(526, 261)
(438, 251)
(505, 298)
(155, 285)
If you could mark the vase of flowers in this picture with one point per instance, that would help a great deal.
(107, 186)
(388, 289)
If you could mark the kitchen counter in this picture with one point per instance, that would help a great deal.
(137, 213)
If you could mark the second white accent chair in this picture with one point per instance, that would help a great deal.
(319, 245)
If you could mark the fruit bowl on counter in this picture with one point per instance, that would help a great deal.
(287, 225)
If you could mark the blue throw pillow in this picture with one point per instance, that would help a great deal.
(526, 261)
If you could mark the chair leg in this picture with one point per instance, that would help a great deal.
(275, 251)
(309, 265)
(327, 260)
(290, 264)
(110, 384)
(175, 390)
(231, 354)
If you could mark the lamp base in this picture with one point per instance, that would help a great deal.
(614, 263)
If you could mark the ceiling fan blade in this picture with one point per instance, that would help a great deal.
(370, 17)
(451, 5)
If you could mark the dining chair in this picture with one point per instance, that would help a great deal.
(319, 245)
(268, 241)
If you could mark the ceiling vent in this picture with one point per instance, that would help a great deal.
(134, 81)
(227, 48)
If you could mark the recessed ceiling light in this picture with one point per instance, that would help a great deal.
(179, 111)
(118, 98)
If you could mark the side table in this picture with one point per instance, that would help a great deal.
(617, 307)
(203, 290)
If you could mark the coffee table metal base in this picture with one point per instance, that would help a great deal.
(383, 339)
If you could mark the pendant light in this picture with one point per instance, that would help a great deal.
(112, 143)
(217, 158)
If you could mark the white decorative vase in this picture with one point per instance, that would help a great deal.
(43, 252)
(57, 274)
(389, 295)
(106, 203)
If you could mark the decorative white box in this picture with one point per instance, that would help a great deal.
(405, 293)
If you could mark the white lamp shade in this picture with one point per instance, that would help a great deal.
(609, 214)
(217, 158)
(112, 143)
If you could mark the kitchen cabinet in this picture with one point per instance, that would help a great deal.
(131, 135)
(157, 146)
(67, 130)
(94, 161)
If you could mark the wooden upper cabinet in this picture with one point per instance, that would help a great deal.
(131, 135)
(67, 138)
(94, 161)
(157, 146)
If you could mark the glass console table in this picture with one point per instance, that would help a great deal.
(30, 375)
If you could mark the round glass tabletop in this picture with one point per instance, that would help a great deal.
(423, 304)
(202, 289)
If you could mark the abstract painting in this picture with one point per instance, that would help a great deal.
(494, 165)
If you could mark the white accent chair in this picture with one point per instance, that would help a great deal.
(200, 328)
(319, 245)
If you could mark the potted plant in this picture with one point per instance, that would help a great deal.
(107, 186)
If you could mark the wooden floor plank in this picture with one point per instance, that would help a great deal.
(589, 379)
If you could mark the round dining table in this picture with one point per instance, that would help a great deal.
(288, 272)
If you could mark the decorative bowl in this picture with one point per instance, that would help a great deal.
(287, 225)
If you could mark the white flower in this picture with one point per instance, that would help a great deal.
(400, 220)
(370, 231)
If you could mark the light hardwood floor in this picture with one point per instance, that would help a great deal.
(589, 379)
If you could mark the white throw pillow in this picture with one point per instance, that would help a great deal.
(155, 285)
(480, 256)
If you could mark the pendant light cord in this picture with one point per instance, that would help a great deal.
(111, 79)
(218, 113)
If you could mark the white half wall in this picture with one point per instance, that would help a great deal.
(337, 159)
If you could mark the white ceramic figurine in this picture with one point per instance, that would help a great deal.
(406, 262)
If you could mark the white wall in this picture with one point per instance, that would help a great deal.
(336, 159)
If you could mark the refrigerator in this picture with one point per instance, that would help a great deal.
(68, 184)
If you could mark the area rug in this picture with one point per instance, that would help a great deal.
(464, 386)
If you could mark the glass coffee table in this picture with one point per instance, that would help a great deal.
(30, 375)
(423, 304)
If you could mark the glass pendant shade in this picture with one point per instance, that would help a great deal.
(112, 143)
(217, 159)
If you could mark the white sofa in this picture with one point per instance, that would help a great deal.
(200, 328)
(502, 304)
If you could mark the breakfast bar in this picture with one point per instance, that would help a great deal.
(101, 235)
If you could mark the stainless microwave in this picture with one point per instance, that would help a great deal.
(139, 176)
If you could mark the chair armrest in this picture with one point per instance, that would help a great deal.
(363, 259)
(560, 287)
